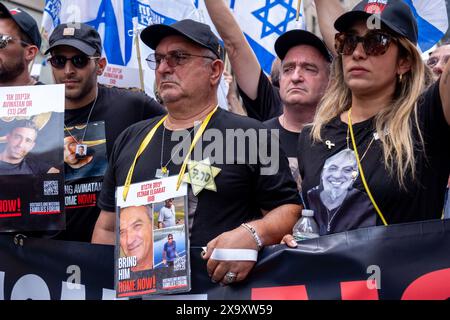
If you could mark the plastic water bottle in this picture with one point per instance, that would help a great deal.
(306, 227)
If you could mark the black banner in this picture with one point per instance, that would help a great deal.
(409, 261)
(41, 269)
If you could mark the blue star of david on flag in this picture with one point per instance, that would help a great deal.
(53, 8)
(278, 27)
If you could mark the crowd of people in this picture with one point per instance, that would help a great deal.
(355, 124)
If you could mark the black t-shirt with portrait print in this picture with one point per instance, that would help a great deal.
(335, 192)
(114, 111)
(242, 191)
(267, 104)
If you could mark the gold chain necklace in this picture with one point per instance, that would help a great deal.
(368, 147)
(164, 172)
(80, 143)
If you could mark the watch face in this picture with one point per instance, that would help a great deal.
(81, 151)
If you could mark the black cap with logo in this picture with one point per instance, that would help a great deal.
(197, 32)
(395, 14)
(78, 35)
(25, 22)
(298, 37)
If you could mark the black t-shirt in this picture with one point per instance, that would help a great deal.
(288, 139)
(341, 203)
(289, 142)
(115, 110)
(241, 188)
(267, 104)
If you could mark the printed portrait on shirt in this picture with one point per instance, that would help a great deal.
(337, 204)
(85, 151)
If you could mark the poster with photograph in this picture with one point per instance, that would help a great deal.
(31, 158)
(152, 243)
(85, 162)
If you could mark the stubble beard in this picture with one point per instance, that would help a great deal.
(9, 73)
(84, 89)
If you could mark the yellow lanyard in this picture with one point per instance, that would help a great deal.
(146, 142)
(363, 178)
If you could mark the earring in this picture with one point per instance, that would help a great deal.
(400, 77)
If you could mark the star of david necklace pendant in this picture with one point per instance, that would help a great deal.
(162, 173)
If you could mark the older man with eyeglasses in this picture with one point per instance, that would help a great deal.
(236, 206)
(19, 44)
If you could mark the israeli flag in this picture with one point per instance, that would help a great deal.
(263, 21)
(113, 19)
(432, 20)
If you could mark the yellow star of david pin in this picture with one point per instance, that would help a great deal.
(201, 176)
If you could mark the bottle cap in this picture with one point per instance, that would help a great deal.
(307, 213)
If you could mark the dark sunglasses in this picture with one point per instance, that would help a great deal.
(375, 43)
(173, 59)
(79, 61)
(5, 39)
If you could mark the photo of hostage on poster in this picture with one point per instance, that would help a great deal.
(85, 151)
(151, 258)
(170, 246)
(31, 158)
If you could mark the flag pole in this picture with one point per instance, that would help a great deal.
(227, 62)
(138, 54)
(299, 3)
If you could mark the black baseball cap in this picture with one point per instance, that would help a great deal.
(298, 37)
(78, 35)
(394, 14)
(25, 22)
(197, 32)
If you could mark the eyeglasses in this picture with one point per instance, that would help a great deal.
(79, 61)
(375, 43)
(433, 61)
(5, 39)
(173, 59)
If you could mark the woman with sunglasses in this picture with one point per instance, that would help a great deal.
(377, 107)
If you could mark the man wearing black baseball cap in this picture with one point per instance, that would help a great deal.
(304, 72)
(188, 67)
(94, 114)
(19, 44)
